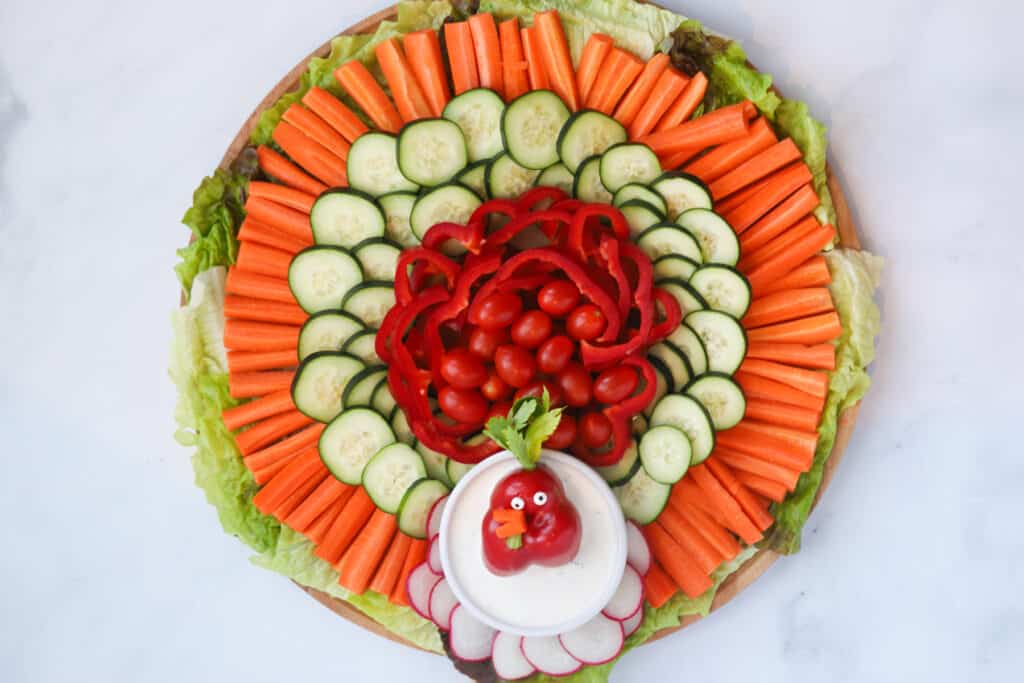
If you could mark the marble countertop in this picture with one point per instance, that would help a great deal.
(114, 567)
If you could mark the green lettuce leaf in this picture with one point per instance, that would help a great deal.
(794, 119)
(855, 276)
(217, 211)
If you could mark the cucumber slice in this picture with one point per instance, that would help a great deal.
(587, 183)
(451, 203)
(665, 453)
(674, 267)
(320, 382)
(664, 383)
(687, 341)
(686, 413)
(723, 338)
(344, 218)
(436, 462)
(478, 113)
(327, 331)
(688, 298)
(372, 165)
(622, 471)
(397, 207)
(675, 361)
(321, 277)
(351, 440)
(628, 162)
(556, 175)
(642, 498)
(530, 128)
(723, 288)
(390, 473)
(722, 397)
(456, 470)
(681, 192)
(370, 302)
(378, 258)
(382, 401)
(640, 215)
(585, 134)
(363, 345)
(474, 177)
(416, 504)
(718, 242)
(669, 238)
(359, 390)
(400, 426)
(505, 179)
(641, 192)
(431, 151)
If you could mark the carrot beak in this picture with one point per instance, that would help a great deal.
(513, 522)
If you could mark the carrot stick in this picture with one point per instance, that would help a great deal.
(686, 104)
(329, 491)
(618, 73)
(255, 286)
(300, 494)
(594, 52)
(772, 490)
(804, 442)
(318, 129)
(782, 414)
(815, 329)
(812, 382)
(263, 475)
(673, 558)
(778, 220)
(264, 311)
(677, 160)
(257, 258)
(557, 61)
(658, 586)
(811, 273)
(390, 568)
(322, 163)
(722, 125)
(686, 492)
(725, 158)
(287, 480)
(782, 263)
(739, 492)
(357, 511)
(765, 195)
(787, 305)
(458, 41)
(670, 85)
(249, 361)
(249, 384)
(818, 356)
(737, 520)
(371, 98)
(335, 113)
(765, 447)
(271, 429)
(755, 386)
(752, 464)
(245, 335)
(319, 528)
(487, 48)
(293, 223)
(513, 63)
(412, 103)
(423, 50)
(252, 230)
(703, 553)
(296, 443)
(365, 555)
(641, 90)
(276, 166)
(417, 554)
(534, 60)
(755, 168)
(784, 242)
(737, 199)
(255, 410)
(714, 533)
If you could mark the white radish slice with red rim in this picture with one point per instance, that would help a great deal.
(548, 656)
(628, 598)
(470, 639)
(598, 641)
(434, 517)
(418, 586)
(434, 556)
(629, 626)
(442, 602)
(637, 553)
(508, 659)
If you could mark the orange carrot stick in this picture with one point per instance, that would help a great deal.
(686, 492)
(256, 286)
(658, 586)
(287, 480)
(784, 242)
(796, 254)
(782, 414)
(276, 166)
(300, 494)
(335, 113)
(618, 73)
(252, 230)
(272, 429)
(557, 61)
(641, 89)
(811, 273)
(245, 335)
(371, 98)
(725, 158)
(703, 553)
(364, 556)
(736, 518)
(714, 533)
(744, 462)
(258, 258)
(765, 447)
(772, 490)
(319, 528)
(757, 514)
(322, 163)
(513, 62)
(755, 386)
(423, 50)
(250, 384)
(265, 474)
(722, 125)
(812, 382)
(755, 168)
(778, 220)
(386, 576)
(787, 305)
(766, 195)
(357, 511)
(675, 561)
(818, 356)
(252, 361)
(329, 491)
(803, 442)
(264, 311)
(417, 554)
(293, 223)
(676, 161)
(266, 458)
(487, 48)
(458, 41)
(318, 129)
(686, 104)
(534, 60)
(254, 411)
(594, 52)
(670, 85)
(412, 103)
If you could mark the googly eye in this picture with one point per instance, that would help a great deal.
(540, 498)
(518, 503)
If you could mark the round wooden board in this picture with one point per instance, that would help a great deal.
(754, 567)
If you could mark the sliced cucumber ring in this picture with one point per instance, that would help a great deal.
(674, 361)
(718, 241)
(530, 127)
(320, 382)
(435, 462)
(370, 302)
(327, 331)
(351, 440)
(478, 114)
(587, 183)
(665, 453)
(722, 397)
(400, 426)
(641, 192)
(431, 151)
(456, 470)
(628, 162)
(372, 165)
(505, 179)
(321, 277)
(397, 207)
(359, 390)
(363, 345)
(723, 338)
(474, 177)
(585, 134)
(642, 498)
(378, 258)
(451, 203)
(723, 288)
(556, 175)
(668, 238)
(640, 215)
(345, 217)
(687, 341)
(686, 413)
(688, 298)
(681, 192)
(418, 501)
(382, 401)
(390, 473)
(674, 267)
(622, 471)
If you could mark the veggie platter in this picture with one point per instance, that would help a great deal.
(525, 331)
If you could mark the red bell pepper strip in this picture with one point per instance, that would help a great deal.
(470, 236)
(609, 251)
(534, 196)
(671, 310)
(599, 355)
(581, 226)
(524, 221)
(438, 261)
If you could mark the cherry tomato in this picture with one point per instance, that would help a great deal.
(531, 329)
(483, 343)
(497, 311)
(463, 405)
(495, 388)
(594, 429)
(554, 354)
(564, 434)
(575, 384)
(499, 409)
(615, 384)
(515, 365)
(558, 297)
(462, 369)
(585, 322)
(536, 388)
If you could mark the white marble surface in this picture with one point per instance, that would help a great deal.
(114, 569)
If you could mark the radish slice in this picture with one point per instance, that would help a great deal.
(629, 626)
(548, 656)
(434, 517)
(442, 602)
(628, 597)
(434, 556)
(637, 552)
(508, 660)
(420, 583)
(470, 638)
(596, 642)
